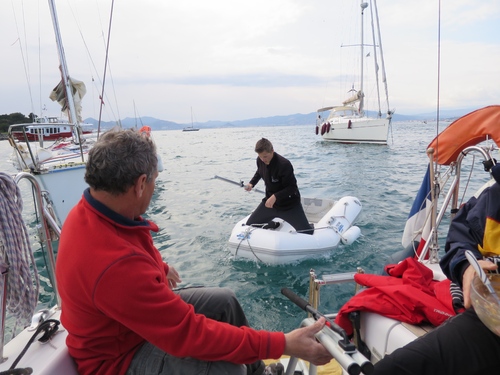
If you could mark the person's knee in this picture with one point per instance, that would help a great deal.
(225, 294)
(226, 368)
(225, 298)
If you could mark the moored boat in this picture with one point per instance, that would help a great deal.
(47, 128)
(351, 122)
(279, 243)
(191, 128)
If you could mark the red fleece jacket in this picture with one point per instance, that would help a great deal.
(115, 296)
(409, 294)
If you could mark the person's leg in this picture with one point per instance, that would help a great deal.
(222, 305)
(297, 219)
(149, 360)
(218, 304)
(262, 214)
(462, 345)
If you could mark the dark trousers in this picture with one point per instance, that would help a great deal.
(215, 303)
(461, 346)
(295, 216)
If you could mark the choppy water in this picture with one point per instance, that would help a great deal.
(196, 212)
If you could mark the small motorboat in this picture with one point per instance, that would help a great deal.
(278, 242)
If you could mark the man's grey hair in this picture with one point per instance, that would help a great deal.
(118, 159)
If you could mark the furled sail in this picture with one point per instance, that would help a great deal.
(353, 99)
(59, 94)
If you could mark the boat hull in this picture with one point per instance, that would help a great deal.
(358, 130)
(34, 137)
(64, 186)
(284, 245)
(50, 130)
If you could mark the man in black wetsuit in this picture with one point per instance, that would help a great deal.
(282, 194)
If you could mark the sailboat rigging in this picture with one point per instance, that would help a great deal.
(58, 166)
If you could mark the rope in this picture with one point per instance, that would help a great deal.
(49, 329)
(246, 237)
(15, 250)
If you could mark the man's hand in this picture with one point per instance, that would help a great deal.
(469, 275)
(301, 343)
(173, 277)
(270, 201)
(248, 187)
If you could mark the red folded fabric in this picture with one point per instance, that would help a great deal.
(409, 294)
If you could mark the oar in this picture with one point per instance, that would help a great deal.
(240, 184)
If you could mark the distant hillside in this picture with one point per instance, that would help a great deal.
(287, 120)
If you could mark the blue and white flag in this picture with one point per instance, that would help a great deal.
(418, 225)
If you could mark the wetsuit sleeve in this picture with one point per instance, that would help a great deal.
(255, 179)
(258, 173)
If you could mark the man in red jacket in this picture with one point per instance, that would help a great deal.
(118, 303)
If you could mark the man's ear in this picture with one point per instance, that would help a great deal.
(140, 185)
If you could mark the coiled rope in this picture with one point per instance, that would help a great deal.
(15, 251)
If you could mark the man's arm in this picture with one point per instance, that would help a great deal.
(465, 233)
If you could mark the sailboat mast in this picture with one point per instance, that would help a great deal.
(361, 92)
(63, 67)
(384, 77)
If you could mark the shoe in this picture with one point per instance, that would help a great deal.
(271, 225)
(256, 368)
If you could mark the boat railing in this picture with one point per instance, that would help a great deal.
(353, 361)
(46, 230)
(332, 337)
(29, 159)
(431, 247)
(316, 283)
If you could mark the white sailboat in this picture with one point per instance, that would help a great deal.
(350, 122)
(191, 128)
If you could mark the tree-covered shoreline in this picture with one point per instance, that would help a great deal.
(14, 118)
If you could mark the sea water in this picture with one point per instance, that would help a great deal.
(196, 212)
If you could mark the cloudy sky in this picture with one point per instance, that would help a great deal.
(233, 60)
